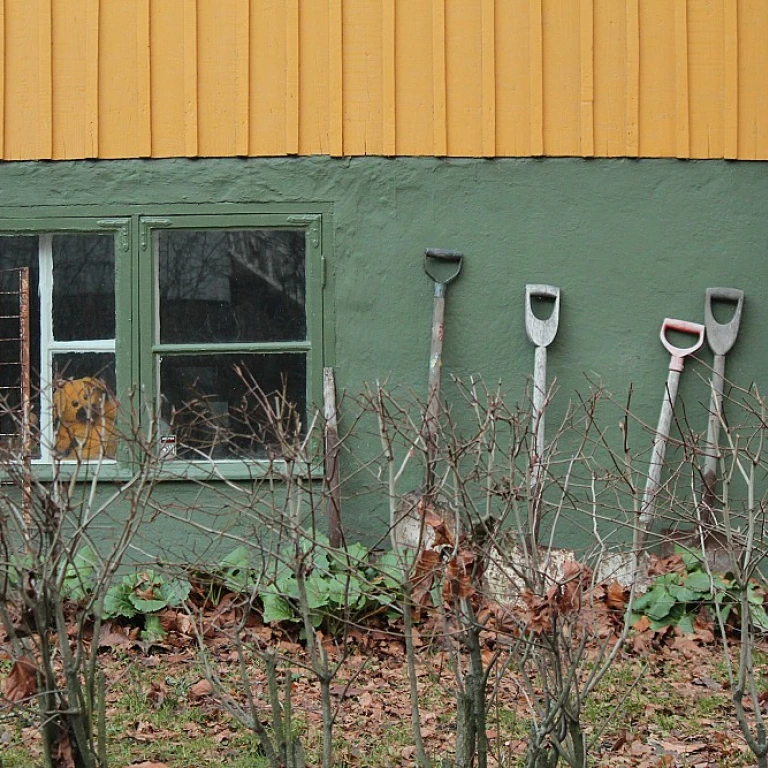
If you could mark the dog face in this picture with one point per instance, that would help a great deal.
(84, 412)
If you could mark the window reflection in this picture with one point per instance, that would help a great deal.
(231, 286)
(211, 409)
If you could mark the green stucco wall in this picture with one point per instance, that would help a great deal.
(628, 242)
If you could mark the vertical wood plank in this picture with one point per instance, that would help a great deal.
(682, 106)
(537, 78)
(587, 65)
(144, 85)
(335, 78)
(268, 127)
(633, 79)
(513, 101)
(292, 77)
(45, 80)
(561, 77)
(2, 79)
(440, 125)
(731, 79)
(610, 78)
(242, 76)
(752, 82)
(488, 46)
(706, 72)
(388, 76)
(362, 78)
(168, 98)
(91, 112)
(414, 113)
(190, 79)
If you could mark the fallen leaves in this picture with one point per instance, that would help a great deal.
(21, 683)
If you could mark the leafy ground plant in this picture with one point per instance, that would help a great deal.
(145, 593)
(343, 585)
(676, 598)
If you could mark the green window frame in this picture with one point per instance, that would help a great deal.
(139, 347)
(158, 352)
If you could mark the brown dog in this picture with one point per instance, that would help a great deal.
(84, 414)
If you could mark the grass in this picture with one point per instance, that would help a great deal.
(153, 716)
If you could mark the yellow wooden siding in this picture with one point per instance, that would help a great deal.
(475, 78)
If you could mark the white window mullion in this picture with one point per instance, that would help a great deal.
(89, 345)
(46, 345)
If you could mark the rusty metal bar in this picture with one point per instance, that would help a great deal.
(26, 394)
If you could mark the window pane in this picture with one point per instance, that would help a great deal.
(213, 410)
(231, 286)
(83, 287)
(18, 251)
(84, 407)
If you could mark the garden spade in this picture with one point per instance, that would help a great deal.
(541, 333)
(676, 365)
(443, 267)
(720, 337)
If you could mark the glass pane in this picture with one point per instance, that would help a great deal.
(231, 286)
(18, 251)
(211, 405)
(84, 406)
(83, 287)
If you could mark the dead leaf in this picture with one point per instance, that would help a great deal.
(200, 690)
(148, 764)
(62, 753)
(424, 576)
(443, 532)
(21, 683)
(109, 637)
(616, 597)
(157, 694)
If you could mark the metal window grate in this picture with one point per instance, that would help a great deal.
(15, 384)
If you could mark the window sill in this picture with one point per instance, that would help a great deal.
(166, 471)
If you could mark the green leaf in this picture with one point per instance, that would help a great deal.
(286, 585)
(117, 602)
(236, 570)
(317, 591)
(153, 629)
(661, 606)
(686, 623)
(683, 594)
(144, 605)
(692, 560)
(174, 592)
(79, 575)
(347, 592)
(389, 570)
(276, 609)
(699, 581)
(759, 617)
(672, 619)
(236, 559)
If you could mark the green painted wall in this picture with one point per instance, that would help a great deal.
(629, 242)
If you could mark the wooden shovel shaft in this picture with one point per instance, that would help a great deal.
(659, 448)
(715, 413)
(539, 400)
(435, 378)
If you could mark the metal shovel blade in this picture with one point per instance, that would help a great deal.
(721, 336)
(541, 332)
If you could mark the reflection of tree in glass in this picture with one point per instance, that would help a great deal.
(211, 409)
(232, 285)
(83, 287)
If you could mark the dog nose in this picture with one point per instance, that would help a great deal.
(81, 415)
